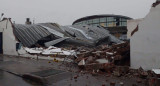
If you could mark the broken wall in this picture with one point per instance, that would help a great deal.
(9, 42)
(131, 25)
(145, 44)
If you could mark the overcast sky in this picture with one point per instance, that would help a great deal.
(64, 12)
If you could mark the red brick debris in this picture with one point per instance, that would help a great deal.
(114, 60)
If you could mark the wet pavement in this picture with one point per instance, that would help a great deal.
(20, 66)
(7, 79)
(12, 67)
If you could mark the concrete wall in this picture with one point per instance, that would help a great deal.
(9, 42)
(145, 44)
(131, 25)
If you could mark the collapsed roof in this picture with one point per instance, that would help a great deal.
(52, 33)
(30, 34)
(93, 34)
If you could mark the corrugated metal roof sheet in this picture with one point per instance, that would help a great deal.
(30, 34)
(53, 42)
(91, 33)
(52, 26)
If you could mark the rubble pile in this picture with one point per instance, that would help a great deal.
(115, 61)
(105, 58)
(148, 77)
(154, 77)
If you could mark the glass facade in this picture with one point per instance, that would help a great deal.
(105, 21)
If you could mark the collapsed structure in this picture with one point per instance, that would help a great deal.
(15, 36)
(112, 57)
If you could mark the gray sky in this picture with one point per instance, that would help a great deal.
(64, 12)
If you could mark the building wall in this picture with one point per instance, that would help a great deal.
(145, 44)
(131, 25)
(9, 42)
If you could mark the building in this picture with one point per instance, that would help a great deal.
(8, 41)
(145, 50)
(116, 24)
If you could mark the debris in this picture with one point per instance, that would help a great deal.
(90, 59)
(34, 50)
(109, 53)
(139, 81)
(50, 51)
(76, 76)
(156, 71)
(106, 58)
(53, 42)
(120, 70)
(103, 85)
(81, 63)
(134, 85)
(142, 73)
(153, 81)
(55, 60)
(112, 83)
(102, 61)
(121, 84)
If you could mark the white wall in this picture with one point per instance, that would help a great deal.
(131, 25)
(145, 44)
(9, 42)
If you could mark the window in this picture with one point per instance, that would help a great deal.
(89, 21)
(96, 20)
(110, 19)
(123, 19)
(79, 23)
(84, 22)
(103, 19)
(123, 23)
(111, 24)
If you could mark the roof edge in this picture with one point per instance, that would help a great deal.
(100, 15)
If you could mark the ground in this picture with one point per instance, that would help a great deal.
(13, 68)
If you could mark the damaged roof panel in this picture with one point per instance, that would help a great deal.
(53, 31)
(53, 26)
(30, 34)
(91, 33)
(74, 34)
(53, 42)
